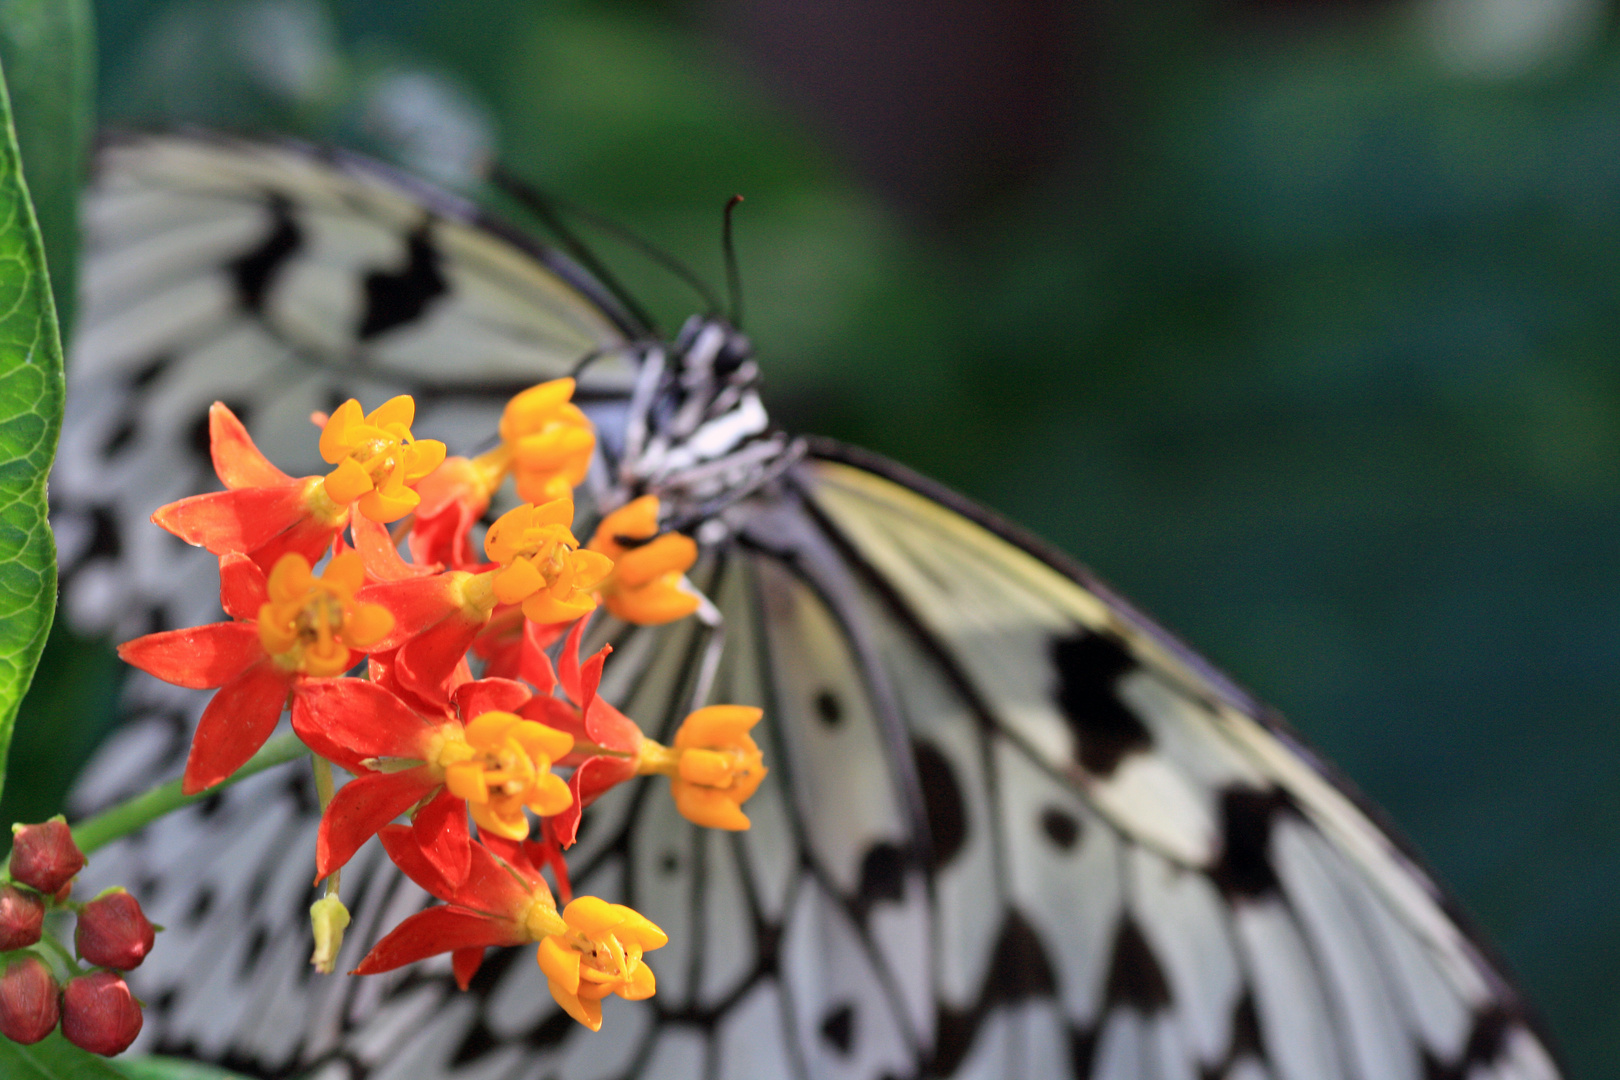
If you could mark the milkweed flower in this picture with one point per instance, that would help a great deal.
(645, 585)
(290, 627)
(541, 564)
(479, 756)
(263, 513)
(550, 441)
(377, 459)
(714, 766)
(587, 951)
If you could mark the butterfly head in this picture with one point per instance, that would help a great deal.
(697, 434)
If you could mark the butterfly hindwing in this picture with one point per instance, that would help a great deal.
(1261, 908)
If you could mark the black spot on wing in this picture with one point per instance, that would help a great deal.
(1082, 1051)
(883, 875)
(105, 541)
(1089, 667)
(255, 271)
(1020, 970)
(1134, 975)
(121, 436)
(1247, 818)
(1245, 1042)
(551, 1031)
(1245, 1030)
(829, 709)
(942, 798)
(394, 298)
(1061, 827)
(838, 1028)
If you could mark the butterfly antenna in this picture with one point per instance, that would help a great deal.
(545, 206)
(733, 279)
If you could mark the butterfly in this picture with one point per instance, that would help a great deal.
(1011, 829)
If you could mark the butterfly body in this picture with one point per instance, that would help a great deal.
(1011, 829)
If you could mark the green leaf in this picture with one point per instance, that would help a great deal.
(166, 1068)
(48, 49)
(30, 418)
(54, 1058)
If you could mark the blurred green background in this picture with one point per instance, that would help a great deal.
(1297, 322)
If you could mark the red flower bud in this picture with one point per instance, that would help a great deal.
(99, 1014)
(22, 915)
(30, 1002)
(44, 856)
(113, 932)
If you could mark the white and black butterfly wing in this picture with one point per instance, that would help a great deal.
(1011, 829)
(282, 281)
(1134, 870)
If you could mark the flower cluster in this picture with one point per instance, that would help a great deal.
(447, 681)
(95, 1010)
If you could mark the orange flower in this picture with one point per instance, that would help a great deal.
(587, 951)
(714, 766)
(285, 630)
(599, 953)
(542, 567)
(378, 460)
(310, 624)
(645, 586)
(550, 441)
(501, 763)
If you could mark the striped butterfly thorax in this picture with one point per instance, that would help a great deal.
(1011, 829)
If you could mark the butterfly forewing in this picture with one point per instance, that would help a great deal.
(282, 282)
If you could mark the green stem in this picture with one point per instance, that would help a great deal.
(132, 814)
(48, 940)
(324, 790)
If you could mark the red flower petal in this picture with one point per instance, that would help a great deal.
(568, 663)
(594, 776)
(465, 963)
(237, 461)
(437, 930)
(361, 807)
(489, 887)
(242, 590)
(309, 537)
(346, 720)
(400, 843)
(441, 535)
(440, 829)
(382, 558)
(549, 851)
(198, 657)
(240, 521)
(554, 713)
(235, 724)
(416, 604)
(489, 695)
(534, 666)
(427, 662)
